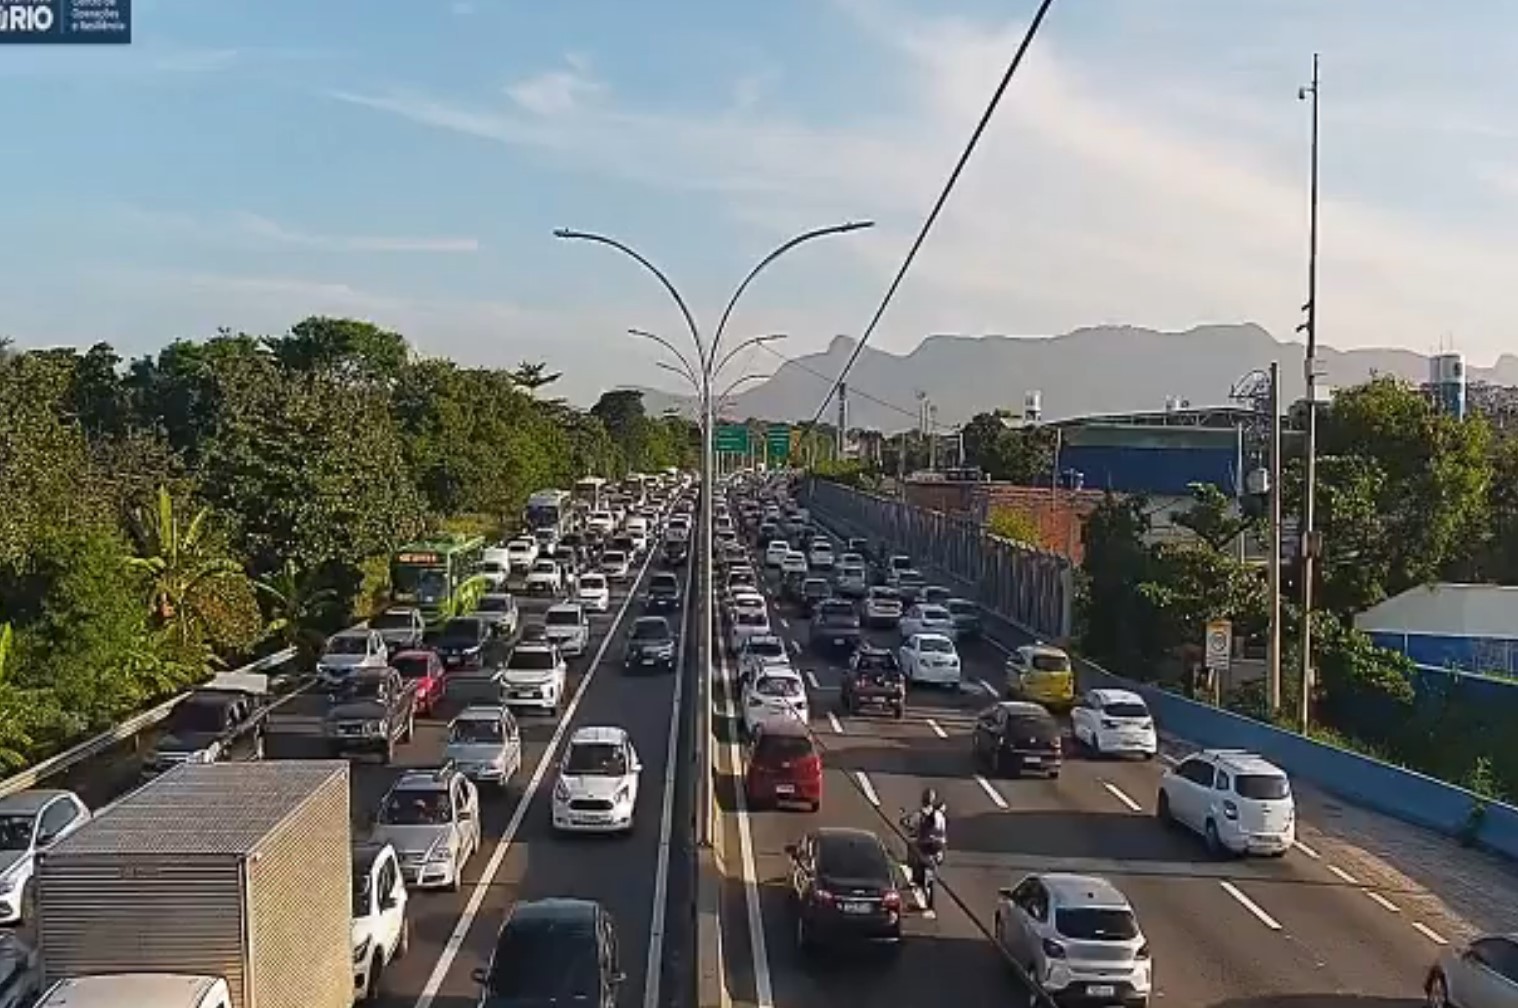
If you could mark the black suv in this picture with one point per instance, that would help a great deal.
(461, 642)
(675, 552)
(814, 591)
(663, 594)
(554, 951)
(835, 626)
(873, 680)
(651, 645)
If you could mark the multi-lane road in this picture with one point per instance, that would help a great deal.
(1298, 932)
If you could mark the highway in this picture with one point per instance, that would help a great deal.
(1291, 933)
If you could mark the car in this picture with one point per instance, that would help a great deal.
(747, 623)
(546, 578)
(746, 600)
(461, 642)
(1114, 722)
(431, 816)
(401, 627)
(495, 572)
(425, 669)
(768, 532)
(485, 743)
(377, 713)
(521, 554)
(882, 607)
(813, 591)
(935, 595)
(852, 580)
(1477, 974)
(637, 532)
(593, 592)
(923, 618)
(834, 627)
(534, 633)
(784, 768)
(894, 565)
(1239, 801)
(843, 890)
(601, 522)
(741, 577)
(857, 545)
(820, 555)
(873, 680)
(774, 695)
(931, 659)
(1013, 737)
(554, 951)
(761, 652)
(350, 649)
(534, 677)
(910, 584)
(626, 545)
(1077, 938)
(597, 788)
(675, 551)
(568, 628)
(794, 563)
(31, 821)
(966, 617)
(776, 553)
(380, 929)
(663, 595)
(1042, 674)
(650, 645)
(616, 565)
(498, 611)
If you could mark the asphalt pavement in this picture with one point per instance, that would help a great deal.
(1297, 932)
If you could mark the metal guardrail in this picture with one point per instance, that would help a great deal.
(135, 725)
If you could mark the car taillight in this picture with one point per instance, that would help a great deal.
(1053, 949)
(891, 900)
(810, 765)
(1230, 810)
(1059, 743)
(822, 896)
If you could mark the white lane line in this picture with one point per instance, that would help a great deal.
(1299, 845)
(1429, 933)
(1250, 905)
(835, 724)
(483, 885)
(785, 622)
(764, 996)
(991, 792)
(653, 967)
(937, 728)
(1343, 875)
(1168, 759)
(867, 788)
(987, 687)
(1122, 796)
(917, 894)
(1383, 902)
(796, 646)
(811, 679)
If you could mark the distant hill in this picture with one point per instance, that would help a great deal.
(1102, 369)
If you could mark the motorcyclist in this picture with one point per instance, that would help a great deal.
(929, 842)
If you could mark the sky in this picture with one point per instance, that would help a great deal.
(246, 163)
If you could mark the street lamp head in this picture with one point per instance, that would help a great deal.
(565, 233)
(855, 226)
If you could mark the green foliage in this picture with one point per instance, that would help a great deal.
(1008, 523)
(1021, 455)
(849, 472)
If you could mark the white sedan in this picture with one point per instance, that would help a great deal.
(929, 619)
(761, 653)
(594, 593)
(748, 623)
(794, 563)
(597, 789)
(615, 565)
(930, 658)
(776, 552)
(777, 696)
(746, 600)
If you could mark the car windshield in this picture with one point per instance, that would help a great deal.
(531, 660)
(416, 807)
(490, 567)
(934, 645)
(752, 619)
(1051, 663)
(770, 648)
(814, 586)
(853, 859)
(909, 578)
(562, 617)
(1126, 709)
(391, 621)
(1261, 787)
(495, 604)
(884, 595)
(773, 747)
(650, 630)
(411, 666)
(346, 644)
(779, 686)
(545, 567)
(196, 715)
(838, 612)
(877, 661)
(663, 586)
(364, 689)
(16, 832)
(461, 630)
(962, 608)
(361, 889)
(544, 963)
(521, 547)
(935, 613)
(612, 558)
(596, 759)
(475, 731)
(1096, 924)
(592, 582)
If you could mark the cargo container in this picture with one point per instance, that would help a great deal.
(240, 871)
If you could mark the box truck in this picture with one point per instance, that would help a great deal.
(218, 885)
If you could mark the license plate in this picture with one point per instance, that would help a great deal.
(454, 659)
(592, 820)
(1033, 760)
(522, 694)
(1101, 990)
(785, 789)
(855, 907)
(838, 640)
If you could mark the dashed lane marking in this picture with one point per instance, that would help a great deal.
(1383, 902)
(991, 690)
(991, 792)
(1429, 933)
(1250, 905)
(1299, 845)
(1122, 796)
(796, 646)
(811, 680)
(835, 724)
(867, 788)
(1343, 875)
(937, 728)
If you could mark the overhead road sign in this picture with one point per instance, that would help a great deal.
(778, 438)
(732, 438)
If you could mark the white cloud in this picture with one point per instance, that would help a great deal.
(263, 227)
(556, 92)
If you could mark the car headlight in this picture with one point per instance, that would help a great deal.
(561, 791)
(7, 884)
(361, 950)
(623, 794)
(442, 855)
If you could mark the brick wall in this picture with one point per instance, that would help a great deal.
(1058, 514)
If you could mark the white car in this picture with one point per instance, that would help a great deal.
(776, 552)
(923, 618)
(930, 658)
(380, 930)
(1240, 802)
(852, 580)
(637, 531)
(567, 628)
(740, 578)
(534, 677)
(821, 555)
(1077, 937)
(774, 696)
(545, 578)
(794, 563)
(882, 607)
(759, 653)
(594, 592)
(615, 565)
(603, 522)
(495, 573)
(349, 650)
(521, 554)
(746, 600)
(30, 822)
(499, 610)
(748, 623)
(597, 789)
(1114, 722)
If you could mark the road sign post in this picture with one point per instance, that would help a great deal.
(732, 438)
(1219, 653)
(777, 438)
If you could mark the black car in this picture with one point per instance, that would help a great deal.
(814, 591)
(676, 552)
(1016, 737)
(768, 531)
(790, 585)
(835, 626)
(651, 645)
(873, 681)
(554, 951)
(534, 633)
(461, 642)
(858, 545)
(844, 890)
(663, 594)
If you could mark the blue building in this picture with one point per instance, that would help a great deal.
(1460, 627)
(1154, 459)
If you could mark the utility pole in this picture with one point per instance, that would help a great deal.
(1273, 655)
(932, 432)
(1309, 536)
(843, 415)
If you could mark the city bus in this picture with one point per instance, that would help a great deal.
(439, 576)
(590, 493)
(548, 509)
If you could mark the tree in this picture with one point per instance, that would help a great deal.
(1117, 621)
(348, 349)
(184, 563)
(299, 605)
(1213, 519)
(533, 375)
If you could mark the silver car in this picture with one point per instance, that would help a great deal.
(498, 610)
(432, 819)
(1483, 974)
(485, 744)
(1076, 936)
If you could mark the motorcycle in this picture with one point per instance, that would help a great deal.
(923, 864)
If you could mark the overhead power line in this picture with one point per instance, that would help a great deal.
(938, 204)
(854, 390)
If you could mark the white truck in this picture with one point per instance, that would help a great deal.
(218, 885)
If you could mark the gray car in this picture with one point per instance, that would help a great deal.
(432, 819)
(485, 744)
(1077, 938)
(1483, 974)
(498, 610)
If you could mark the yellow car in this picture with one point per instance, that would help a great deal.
(1042, 674)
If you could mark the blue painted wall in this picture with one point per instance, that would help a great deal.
(1443, 651)
(1168, 471)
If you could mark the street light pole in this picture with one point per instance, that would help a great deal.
(1273, 657)
(1309, 544)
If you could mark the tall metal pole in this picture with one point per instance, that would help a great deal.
(1273, 655)
(1309, 544)
(843, 415)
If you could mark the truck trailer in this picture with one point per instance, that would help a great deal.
(238, 872)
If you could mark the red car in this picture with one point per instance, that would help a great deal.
(784, 768)
(425, 669)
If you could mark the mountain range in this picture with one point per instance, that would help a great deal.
(1101, 369)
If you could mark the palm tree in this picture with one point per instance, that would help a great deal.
(297, 603)
(181, 560)
(533, 376)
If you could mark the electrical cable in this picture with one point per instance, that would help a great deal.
(853, 390)
(938, 204)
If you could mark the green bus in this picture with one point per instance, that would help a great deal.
(439, 576)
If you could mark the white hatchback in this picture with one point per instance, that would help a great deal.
(597, 789)
(776, 552)
(774, 696)
(1114, 722)
(1240, 802)
(594, 592)
(927, 619)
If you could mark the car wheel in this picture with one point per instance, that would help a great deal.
(1162, 809)
(372, 990)
(1438, 991)
(1214, 842)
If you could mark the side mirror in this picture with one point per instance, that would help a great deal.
(480, 975)
(637, 767)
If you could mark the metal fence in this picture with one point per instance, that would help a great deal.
(1028, 586)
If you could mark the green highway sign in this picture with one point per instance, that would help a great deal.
(778, 440)
(732, 438)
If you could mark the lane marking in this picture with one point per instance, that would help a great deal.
(483, 885)
(811, 680)
(796, 646)
(1343, 875)
(785, 622)
(991, 792)
(937, 728)
(1299, 845)
(1250, 905)
(835, 724)
(867, 788)
(987, 687)
(1429, 933)
(1385, 903)
(918, 896)
(653, 967)
(1122, 796)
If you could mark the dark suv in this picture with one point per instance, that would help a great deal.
(835, 626)
(663, 594)
(873, 680)
(554, 951)
(651, 645)
(1015, 737)
(814, 591)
